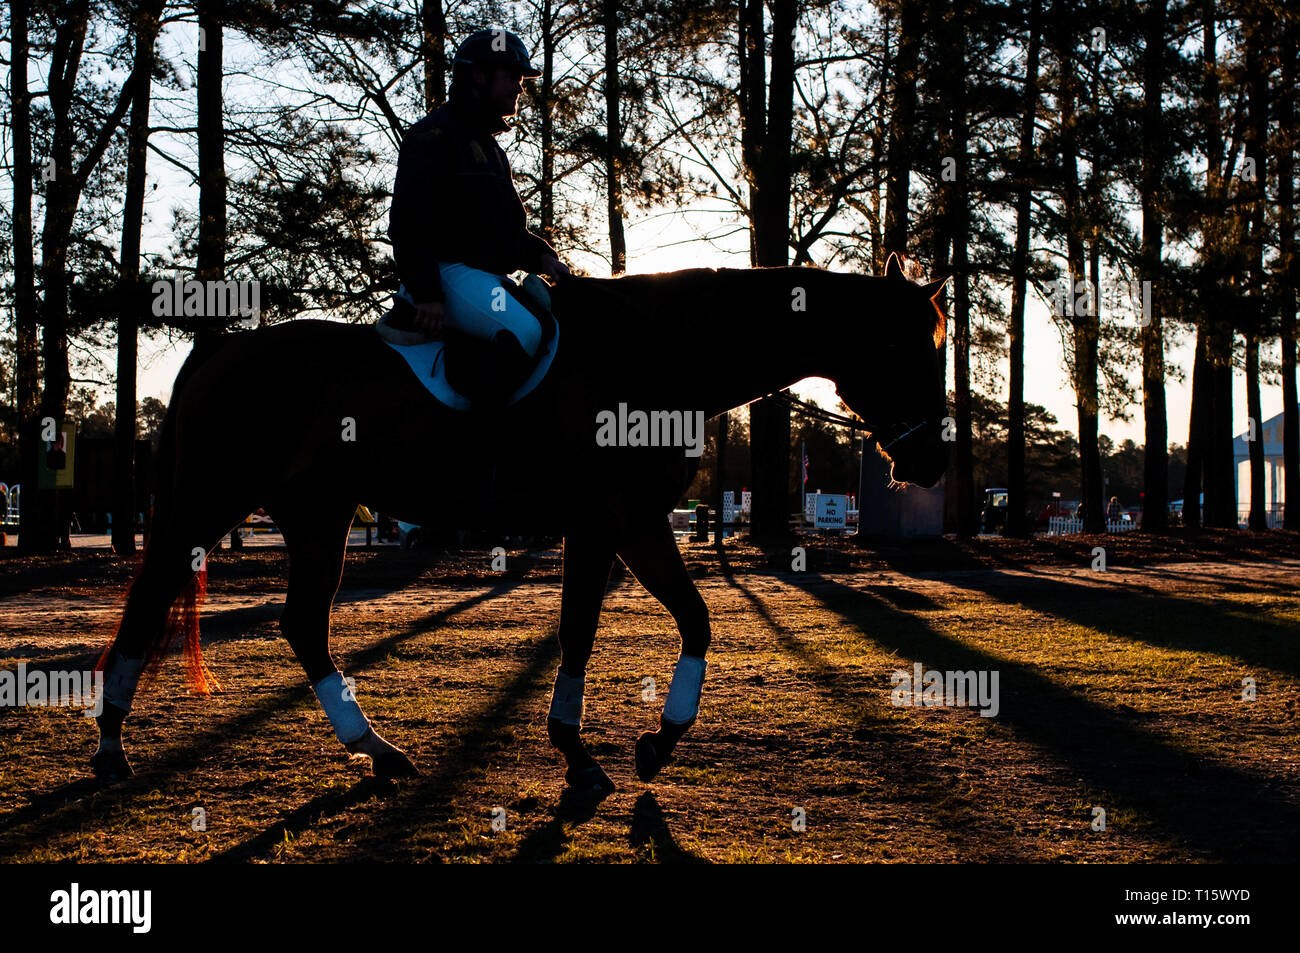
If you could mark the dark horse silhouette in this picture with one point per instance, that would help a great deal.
(308, 418)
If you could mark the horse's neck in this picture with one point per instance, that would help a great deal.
(723, 339)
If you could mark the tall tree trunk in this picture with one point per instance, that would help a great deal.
(772, 216)
(1198, 435)
(1218, 466)
(433, 20)
(751, 95)
(1017, 503)
(1256, 144)
(941, 250)
(27, 356)
(959, 214)
(1257, 520)
(1086, 332)
(212, 145)
(546, 188)
(62, 194)
(765, 140)
(1287, 279)
(901, 123)
(45, 529)
(879, 158)
(146, 33)
(614, 143)
(211, 258)
(1155, 476)
(1084, 324)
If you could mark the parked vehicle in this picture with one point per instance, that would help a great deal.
(993, 517)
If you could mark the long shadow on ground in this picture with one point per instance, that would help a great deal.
(966, 820)
(430, 796)
(1213, 809)
(1151, 616)
(66, 807)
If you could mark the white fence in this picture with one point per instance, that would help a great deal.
(1272, 516)
(9, 512)
(1069, 525)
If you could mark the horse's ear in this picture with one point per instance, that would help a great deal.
(932, 290)
(935, 288)
(894, 267)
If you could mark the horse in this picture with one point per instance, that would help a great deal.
(308, 418)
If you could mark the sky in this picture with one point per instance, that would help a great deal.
(656, 242)
(653, 246)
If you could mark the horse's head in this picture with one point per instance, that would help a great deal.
(894, 379)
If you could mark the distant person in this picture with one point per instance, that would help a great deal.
(1113, 511)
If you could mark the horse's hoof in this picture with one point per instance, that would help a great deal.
(393, 764)
(648, 760)
(590, 778)
(111, 765)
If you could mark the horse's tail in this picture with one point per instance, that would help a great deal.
(183, 627)
(182, 621)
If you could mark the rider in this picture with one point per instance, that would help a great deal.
(457, 223)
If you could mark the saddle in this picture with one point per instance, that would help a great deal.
(466, 373)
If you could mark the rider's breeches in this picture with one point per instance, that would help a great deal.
(479, 303)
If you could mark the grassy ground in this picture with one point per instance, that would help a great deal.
(1119, 689)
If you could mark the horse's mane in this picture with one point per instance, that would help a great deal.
(623, 308)
(680, 295)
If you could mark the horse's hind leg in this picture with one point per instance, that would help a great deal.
(586, 571)
(657, 564)
(317, 541)
(168, 569)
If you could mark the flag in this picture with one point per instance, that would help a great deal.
(805, 468)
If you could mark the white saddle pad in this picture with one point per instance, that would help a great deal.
(425, 359)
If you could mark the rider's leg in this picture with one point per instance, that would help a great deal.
(478, 303)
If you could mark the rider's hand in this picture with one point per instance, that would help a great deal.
(552, 267)
(428, 317)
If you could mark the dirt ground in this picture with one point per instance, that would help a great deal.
(1119, 689)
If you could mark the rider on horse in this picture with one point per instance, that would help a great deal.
(457, 223)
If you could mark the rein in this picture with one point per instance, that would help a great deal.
(826, 416)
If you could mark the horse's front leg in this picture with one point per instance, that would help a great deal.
(587, 562)
(317, 548)
(657, 564)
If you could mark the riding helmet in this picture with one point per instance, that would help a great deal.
(496, 47)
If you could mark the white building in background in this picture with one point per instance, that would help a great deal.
(1270, 435)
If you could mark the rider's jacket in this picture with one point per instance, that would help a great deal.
(455, 201)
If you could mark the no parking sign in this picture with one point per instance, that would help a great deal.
(832, 511)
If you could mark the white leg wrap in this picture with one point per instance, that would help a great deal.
(566, 699)
(350, 723)
(121, 677)
(684, 693)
